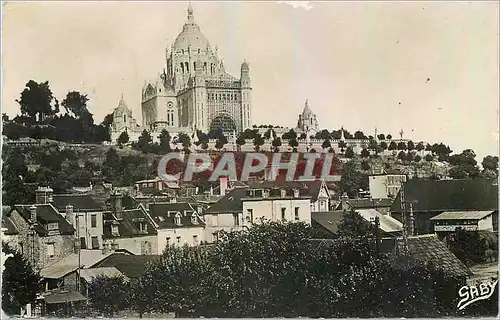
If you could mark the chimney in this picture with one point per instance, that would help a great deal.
(33, 214)
(173, 200)
(343, 201)
(70, 216)
(296, 193)
(105, 248)
(223, 185)
(43, 195)
(116, 202)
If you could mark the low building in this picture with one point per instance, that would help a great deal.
(177, 224)
(131, 266)
(44, 235)
(450, 221)
(427, 199)
(383, 186)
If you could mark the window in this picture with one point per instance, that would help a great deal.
(93, 221)
(83, 243)
(236, 219)
(114, 230)
(193, 219)
(50, 250)
(195, 240)
(21, 248)
(95, 242)
(283, 193)
(125, 118)
(143, 227)
(115, 246)
(250, 215)
(283, 213)
(177, 219)
(296, 213)
(53, 226)
(178, 239)
(168, 241)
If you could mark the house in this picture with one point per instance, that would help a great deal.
(317, 189)
(156, 186)
(9, 230)
(277, 203)
(327, 223)
(381, 205)
(383, 186)
(177, 224)
(44, 235)
(87, 217)
(449, 221)
(224, 215)
(427, 199)
(131, 266)
(131, 229)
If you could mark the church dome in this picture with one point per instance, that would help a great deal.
(191, 36)
(307, 112)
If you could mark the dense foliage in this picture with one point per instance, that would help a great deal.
(275, 270)
(20, 283)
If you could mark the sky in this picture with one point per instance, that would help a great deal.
(429, 68)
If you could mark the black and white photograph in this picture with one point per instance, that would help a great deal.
(249, 159)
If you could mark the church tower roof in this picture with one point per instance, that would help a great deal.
(307, 111)
(121, 104)
(191, 37)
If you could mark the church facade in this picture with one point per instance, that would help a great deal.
(194, 91)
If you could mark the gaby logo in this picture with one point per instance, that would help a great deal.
(471, 294)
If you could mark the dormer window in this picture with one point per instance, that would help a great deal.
(266, 193)
(143, 227)
(194, 220)
(283, 193)
(114, 230)
(177, 219)
(295, 193)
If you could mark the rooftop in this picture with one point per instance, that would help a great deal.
(462, 215)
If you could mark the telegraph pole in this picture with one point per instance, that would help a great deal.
(403, 215)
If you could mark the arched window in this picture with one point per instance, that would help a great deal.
(187, 67)
(204, 67)
(182, 67)
(198, 51)
(194, 65)
(194, 220)
(125, 118)
(177, 219)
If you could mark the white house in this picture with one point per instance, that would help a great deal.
(176, 224)
(383, 186)
(468, 220)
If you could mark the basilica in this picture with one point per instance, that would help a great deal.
(192, 92)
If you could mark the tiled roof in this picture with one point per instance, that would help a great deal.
(45, 213)
(311, 188)
(62, 296)
(128, 223)
(328, 220)
(450, 195)
(82, 202)
(365, 203)
(89, 274)
(164, 215)
(70, 263)
(230, 203)
(427, 249)
(130, 265)
(462, 215)
(9, 225)
(387, 223)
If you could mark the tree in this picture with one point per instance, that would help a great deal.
(240, 141)
(365, 165)
(468, 246)
(349, 153)
(389, 137)
(353, 225)
(365, 153)
(108, 295)
(20, 282)
(36, 102)
(359, 135)
(381, 136)
(383, 145)
(293, 143)
(268, 134)
(221, 141)
(185, 140)
(409, 156)
(352, 180)
(392, 146)
(402, 146)
(77, 104)
(490, 163)
(402, 156)
(420, 146)
(411, 146)
(165, 138)
(276, 144)
(417, 158)
(111, 166)
(429, 157)
(326, 144)
(258, 141)
(123, 138)
(289, 135)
